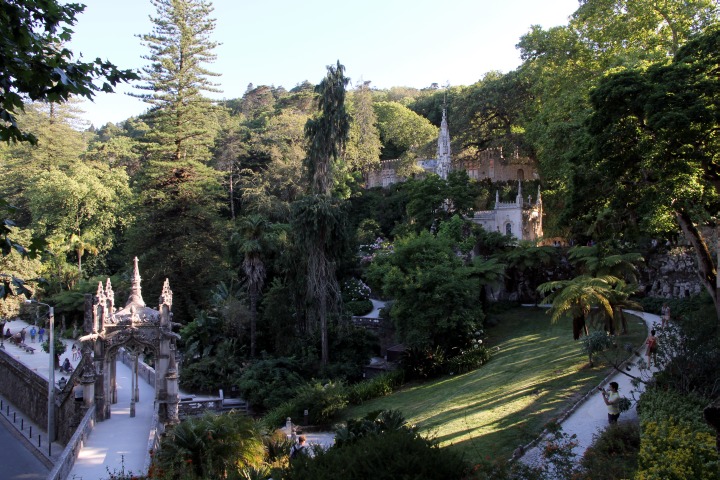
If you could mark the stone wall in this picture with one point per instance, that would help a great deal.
(27, 390)
(69, 413)
(24, 388)
(671, 274)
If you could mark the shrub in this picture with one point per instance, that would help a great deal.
(675, 441)
(374, 423)
(673, 450)
(206, 375)
(375, 387)
(613, 453)
(269, 382)
(423, 363)
(358, 307)
(210, 446)
(323, 402)
(392, 454)
(277, 417)
(467, 360)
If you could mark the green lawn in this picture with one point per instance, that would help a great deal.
(537, 373)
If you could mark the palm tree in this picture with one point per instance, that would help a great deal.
(252, 239)
(82, 244)
(577, 298)
(489, 272)
(596, 261)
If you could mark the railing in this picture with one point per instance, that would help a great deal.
(67, 458)
(145, 371)
(156, 432)
(367, 322)
(190, 408)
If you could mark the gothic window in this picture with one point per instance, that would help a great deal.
(508, 228)
(520, 174)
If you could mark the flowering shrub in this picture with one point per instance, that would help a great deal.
(369, 251)
(354, 290)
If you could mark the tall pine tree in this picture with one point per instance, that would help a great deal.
(177, 230)
(180, 45)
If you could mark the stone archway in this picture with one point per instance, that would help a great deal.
(136, 328)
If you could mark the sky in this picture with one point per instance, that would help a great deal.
(411, 43)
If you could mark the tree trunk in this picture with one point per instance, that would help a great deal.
(706, 269)
(324, 329)
(253, 319)
(578, 326)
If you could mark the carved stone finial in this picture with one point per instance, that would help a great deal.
(135, 290)
(166, 296)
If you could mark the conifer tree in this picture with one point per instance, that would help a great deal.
(176, 78)
(177, 222)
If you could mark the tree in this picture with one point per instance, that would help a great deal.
(179, 47)
(35, 65)
(577, 297)
(328, 133)
(363, 148)
(436, 297)
(84, 203)
(177, 226)
(318, 216)
(652, 149)
(402, 131)
(252, 239)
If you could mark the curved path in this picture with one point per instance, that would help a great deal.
(589, 416)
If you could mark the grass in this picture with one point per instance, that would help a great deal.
(536, 373)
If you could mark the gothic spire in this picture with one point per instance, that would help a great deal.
(135, 290)
(443, 148)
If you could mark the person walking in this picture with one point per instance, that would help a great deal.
(612, 400)
(299, 448)
(651, 348)
(33, 332)
(41, 334)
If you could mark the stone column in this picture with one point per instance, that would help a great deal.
(173, 397)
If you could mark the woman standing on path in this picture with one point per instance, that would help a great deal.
(612, 399)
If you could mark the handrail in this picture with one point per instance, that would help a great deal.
(65, 463)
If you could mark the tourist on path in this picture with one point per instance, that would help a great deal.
(298, 449)
(665, 315)
(41, 334)
(612, 399)
(22, 335)
(651, 348)
(33, 332)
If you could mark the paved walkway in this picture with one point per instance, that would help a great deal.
(589, 416)
(121, 441)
